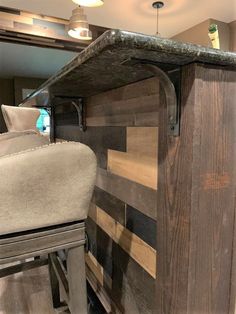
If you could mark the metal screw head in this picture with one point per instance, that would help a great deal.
(158, 4)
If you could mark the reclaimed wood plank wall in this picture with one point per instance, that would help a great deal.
(122, 131)
(18, 26)
(193, 207)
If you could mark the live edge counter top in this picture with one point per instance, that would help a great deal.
(161, 118)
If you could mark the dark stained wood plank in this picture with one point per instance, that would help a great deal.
(138, 249)
(142, 104)
(195, 219)
(99, 139)
(100, 245)
(174, 204)
(9, 10)
(133, 289)
(213, 197)
(134, 119)
(141, 225)
(136, 195)
(65, 115)
(110, 204)
(136, 90)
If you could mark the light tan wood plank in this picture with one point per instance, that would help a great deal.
(16, 18)
(95, 267)
(138, 249)
(6, 23)
(135, 167)
(44, 18)
(100, 292)
(142, 140)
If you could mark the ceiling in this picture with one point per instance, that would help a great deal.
(133, 15)
(138, 15)
(27, 61)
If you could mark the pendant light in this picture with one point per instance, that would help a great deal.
(157, 5)
(89, 3)
(78, 25)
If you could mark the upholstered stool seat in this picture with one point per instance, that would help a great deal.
(13, 142)
(45, 186)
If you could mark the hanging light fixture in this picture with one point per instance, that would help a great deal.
(78, 25)
(89, 3)
(158, 5)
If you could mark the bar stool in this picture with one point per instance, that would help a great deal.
(44, 200)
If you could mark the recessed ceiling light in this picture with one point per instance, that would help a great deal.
(89, 3)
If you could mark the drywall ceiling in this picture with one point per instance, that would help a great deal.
(27, 61)
(138, 15)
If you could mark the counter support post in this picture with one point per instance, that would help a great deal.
(196, 197)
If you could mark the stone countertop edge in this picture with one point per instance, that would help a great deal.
(133, 40)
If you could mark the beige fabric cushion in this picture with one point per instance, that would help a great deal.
(20, 118)
(23, 141)
(9, 135)
(46, 186)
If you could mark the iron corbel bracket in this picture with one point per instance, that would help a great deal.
(170, 80)
(78, 104)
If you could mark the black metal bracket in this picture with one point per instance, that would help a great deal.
(170, 81)
(78, 103)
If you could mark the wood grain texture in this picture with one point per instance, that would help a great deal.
(94, 266)
(139, 250)
(39, 30)
(195, 222)
(133, 288)
(100, 245)
(99, 139)
(44, 17)
(27, 292)
(125, 106)
(110, 204)
(141, 225)
(130, 105)
(139, 89)
(138, 196)
(15, 17)
(105, 299)
(135, 167)
(213, 209)
(143, 140)
(131, 119)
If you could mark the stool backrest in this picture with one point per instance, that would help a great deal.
(20, 118)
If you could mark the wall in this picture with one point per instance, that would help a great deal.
(198, 34)
(11, 92)
(122, 131)
(232, 27)
(6, 97)
(25, 82)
